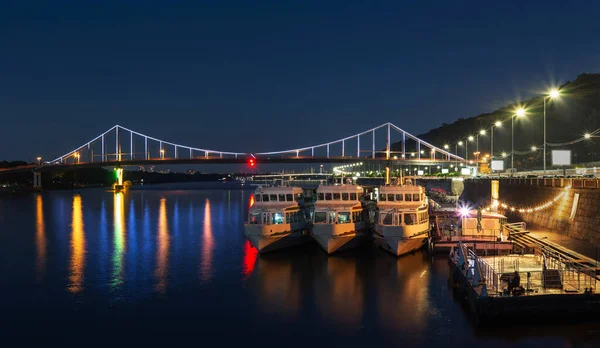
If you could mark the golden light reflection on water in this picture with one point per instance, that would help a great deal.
(40, 238)
(118, 241)
(403, 294)
(162, 252)
(77, 264)
(340, 293)
(208, 245)
(279, 288)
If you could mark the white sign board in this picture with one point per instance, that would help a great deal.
(419, 172)
(497, 165)
(561, 157)
(444, 170)
(465, 171)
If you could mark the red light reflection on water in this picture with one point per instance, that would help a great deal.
(249, 261)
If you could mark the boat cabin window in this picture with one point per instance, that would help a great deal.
(257, 198)
(254, 219)
(416, 197)
(293, 217)
(277, 218)
(328, 196)
(265, 198)
(320, 217)
(344, 218)
(386, 218)
(357, 216)
(407, 197)
(410, 219)
(399, 197)
(332, 219)
(382, 198)
(353, 196)
(321, 196)
(282, 197)
(345, 196)
(289, 197)
(273, 198)
(336, 196)
(390, 197)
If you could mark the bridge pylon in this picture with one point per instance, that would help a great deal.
(37, 180)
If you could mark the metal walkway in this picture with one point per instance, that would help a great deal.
(521, 237)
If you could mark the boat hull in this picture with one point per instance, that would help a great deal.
(267, 238)
(401, 240)
(333, 238)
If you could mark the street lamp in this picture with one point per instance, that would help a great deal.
(534, 148)
(481, 132)
(553, 94)
(470, 138)
(496, 124)
(504, 155)
(162, 154)
(456, 149)
(519, 113)
(39, 161)
(77, 156)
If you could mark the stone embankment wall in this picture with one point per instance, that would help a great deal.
(528, 194)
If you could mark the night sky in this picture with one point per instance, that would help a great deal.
(268, 75)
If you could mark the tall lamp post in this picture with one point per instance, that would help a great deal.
(554, 93)
(497, 124)
(520, 112)
(456, 151)
(481, 132)
(470, 138)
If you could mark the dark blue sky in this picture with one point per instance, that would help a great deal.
(267, 75)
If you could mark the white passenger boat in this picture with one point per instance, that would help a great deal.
(341, 217)
(402, 223)
(278, 218)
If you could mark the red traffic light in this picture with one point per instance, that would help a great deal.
(251, 163)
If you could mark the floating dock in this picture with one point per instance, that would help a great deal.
(515, 287)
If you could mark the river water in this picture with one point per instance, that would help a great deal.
(169, 264)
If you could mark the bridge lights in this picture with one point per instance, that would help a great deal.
(251, 163)
(162, 153)
(39, 161)
(77, 156)
(587, 135)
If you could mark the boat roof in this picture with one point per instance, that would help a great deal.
(277, 190)
(337, 205)
(401, 189)
(399, 205)
(339, 188)
(264, 206)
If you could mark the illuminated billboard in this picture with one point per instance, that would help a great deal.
(497, 165)
(561, 157)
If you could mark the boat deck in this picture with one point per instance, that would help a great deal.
(566, 281)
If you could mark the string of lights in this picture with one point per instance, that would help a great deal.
(529, 209)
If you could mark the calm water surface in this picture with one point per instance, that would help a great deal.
(170, 265)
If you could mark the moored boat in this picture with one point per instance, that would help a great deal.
(341, 217)
(279, 218)
(402, 220)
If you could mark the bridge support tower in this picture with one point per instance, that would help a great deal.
(118, 186)
(37, 180)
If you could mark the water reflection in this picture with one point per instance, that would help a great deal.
(278, 285)
(40, 238)
(207, 245)
(403, 293)
(162, 253)
(118, 241)
(250, 254)
(77, 264)
(340, 293)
